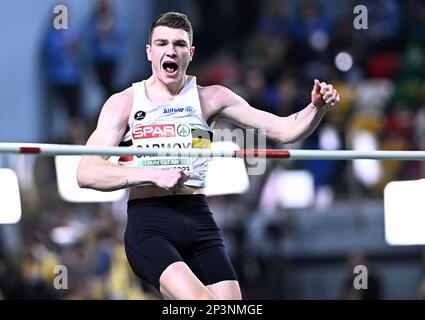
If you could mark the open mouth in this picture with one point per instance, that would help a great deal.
(170, 67)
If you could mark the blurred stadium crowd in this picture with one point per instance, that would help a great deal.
(268, 51)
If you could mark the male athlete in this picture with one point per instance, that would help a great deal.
(171, 239)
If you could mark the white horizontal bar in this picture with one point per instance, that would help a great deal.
(61, 149)
(357, 154)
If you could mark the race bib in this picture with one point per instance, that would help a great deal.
(161, 136)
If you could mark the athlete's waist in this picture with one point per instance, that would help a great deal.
(153, 191)
(180, 199)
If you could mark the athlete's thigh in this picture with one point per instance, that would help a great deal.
(149, 257)
(152, 238)
(214, 269)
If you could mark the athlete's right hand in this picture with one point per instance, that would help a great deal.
(170, 178)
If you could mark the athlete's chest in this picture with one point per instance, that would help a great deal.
(148, 113)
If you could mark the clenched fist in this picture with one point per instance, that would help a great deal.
(324, 95)
(170, 178)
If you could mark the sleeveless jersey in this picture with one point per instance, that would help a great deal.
(178, 123)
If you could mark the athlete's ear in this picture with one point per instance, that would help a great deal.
(149, 51)
(192, 52)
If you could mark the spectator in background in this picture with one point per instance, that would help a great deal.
(106, 34)
(266, 50)
(384, 24)
(312, 30)
(274, 19)
(61, 62)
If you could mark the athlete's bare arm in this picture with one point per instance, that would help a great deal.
(96, 172)
(218, 101)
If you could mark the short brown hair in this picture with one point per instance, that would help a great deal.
(174, 20)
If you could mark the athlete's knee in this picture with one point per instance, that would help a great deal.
(204, 295)
(178, 282)
(188, 293)
(232, 295)
(226, 290)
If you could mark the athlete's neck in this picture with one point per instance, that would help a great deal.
(156, 89)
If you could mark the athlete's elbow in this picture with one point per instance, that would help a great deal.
(82, 181)
(286, 133)
(83, 177)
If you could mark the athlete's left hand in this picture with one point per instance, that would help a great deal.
(324, 95)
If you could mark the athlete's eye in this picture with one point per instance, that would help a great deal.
(160, 43)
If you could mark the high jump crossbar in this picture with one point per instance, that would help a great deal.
(295, 154)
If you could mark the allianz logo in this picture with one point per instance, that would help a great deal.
(174, 110)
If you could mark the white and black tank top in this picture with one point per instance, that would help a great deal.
(178, 123)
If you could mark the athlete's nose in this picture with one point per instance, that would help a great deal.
(171, 52)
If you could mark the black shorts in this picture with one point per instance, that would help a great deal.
(164, 230)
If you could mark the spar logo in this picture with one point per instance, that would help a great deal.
(183, 130)
(154, 131)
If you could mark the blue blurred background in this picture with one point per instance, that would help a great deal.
(54, 83)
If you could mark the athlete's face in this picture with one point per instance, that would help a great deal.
(170, 52)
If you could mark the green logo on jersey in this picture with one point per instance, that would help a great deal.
(183, 130)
